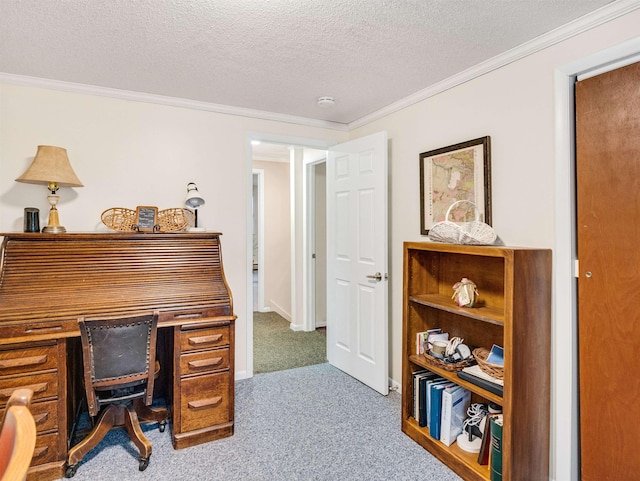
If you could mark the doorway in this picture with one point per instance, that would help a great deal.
(281, 166)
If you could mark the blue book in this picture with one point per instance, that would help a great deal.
(435, 409)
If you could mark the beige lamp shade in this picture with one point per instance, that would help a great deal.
(51, 165)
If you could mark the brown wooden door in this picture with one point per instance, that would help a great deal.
(608, 234)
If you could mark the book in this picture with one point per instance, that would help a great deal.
(423, 398)
(416, 389)
(427, 407)
(495, 455)
(435, 408)
(491, 386)
(455, 402)
(423, 337)
(483, 455)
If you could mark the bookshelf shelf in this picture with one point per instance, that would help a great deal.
(513, 311)
(419, 361)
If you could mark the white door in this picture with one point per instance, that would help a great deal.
(357, 287)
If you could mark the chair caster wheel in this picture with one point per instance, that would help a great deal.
(71, 470)
(144, 463)
(162, 425)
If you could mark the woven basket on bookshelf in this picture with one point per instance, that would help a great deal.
(448, 366)
(481, 354)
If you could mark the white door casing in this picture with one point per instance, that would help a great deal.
(357, 260)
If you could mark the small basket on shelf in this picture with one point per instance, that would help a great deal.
(494, 370)
(448, 366)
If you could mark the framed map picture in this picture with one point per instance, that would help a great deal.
(457, 172)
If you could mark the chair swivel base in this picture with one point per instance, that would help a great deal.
(116, 415)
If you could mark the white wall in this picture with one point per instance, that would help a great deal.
(130, 153)
(515, 106)
(277, 236)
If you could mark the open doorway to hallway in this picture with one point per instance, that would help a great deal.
(278, 341)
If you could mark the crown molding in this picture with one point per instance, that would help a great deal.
(164, 100)
(598, 17)
(603, 15)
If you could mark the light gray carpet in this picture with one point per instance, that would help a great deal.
(313, 423)
(276, 347)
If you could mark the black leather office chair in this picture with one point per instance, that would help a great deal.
(119, 356)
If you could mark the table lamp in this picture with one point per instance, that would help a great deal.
(193, 201)
(51, 167)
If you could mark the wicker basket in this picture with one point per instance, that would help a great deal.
(448, 366)
(169, 220)
(469, 233)
(119, 218)
(481, 354)
(173, 220)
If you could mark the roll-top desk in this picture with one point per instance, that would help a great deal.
(48, 280)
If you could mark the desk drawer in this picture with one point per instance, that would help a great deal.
(46, 450)
(30, 359)
(208, 338)
(40, 330)
(44, 413)
(43, 386)
(205, 401)
(202, 362)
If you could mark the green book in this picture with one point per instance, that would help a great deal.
(496, 448)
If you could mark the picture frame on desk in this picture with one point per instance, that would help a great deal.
(457, 172)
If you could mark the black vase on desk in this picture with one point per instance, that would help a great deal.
(31, 219)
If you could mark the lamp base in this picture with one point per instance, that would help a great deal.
(196, 229)
(53, 226)
(53, 229)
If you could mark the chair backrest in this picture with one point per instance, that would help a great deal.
(118, 353)
(17, 437)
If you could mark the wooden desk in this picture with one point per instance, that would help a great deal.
(48, 280)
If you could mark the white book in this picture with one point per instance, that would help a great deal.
(454, 410)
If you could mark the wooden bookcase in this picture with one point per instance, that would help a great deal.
(513, 311)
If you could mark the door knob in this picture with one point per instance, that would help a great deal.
(377, 276)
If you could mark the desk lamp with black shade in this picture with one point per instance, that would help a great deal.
(51, 167)
(193, 201)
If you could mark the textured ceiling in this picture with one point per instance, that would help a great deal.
(271, 55)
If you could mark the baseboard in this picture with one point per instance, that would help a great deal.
(393, 385)
(276, 308)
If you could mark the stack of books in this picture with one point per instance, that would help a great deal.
(439, 405)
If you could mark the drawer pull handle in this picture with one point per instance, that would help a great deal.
(204, 363)
(41, 418)
(43, 329)
(204, 339)
(189, 315)
(36, 388)
(205, 403)
(27, 361)
(40, 451)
